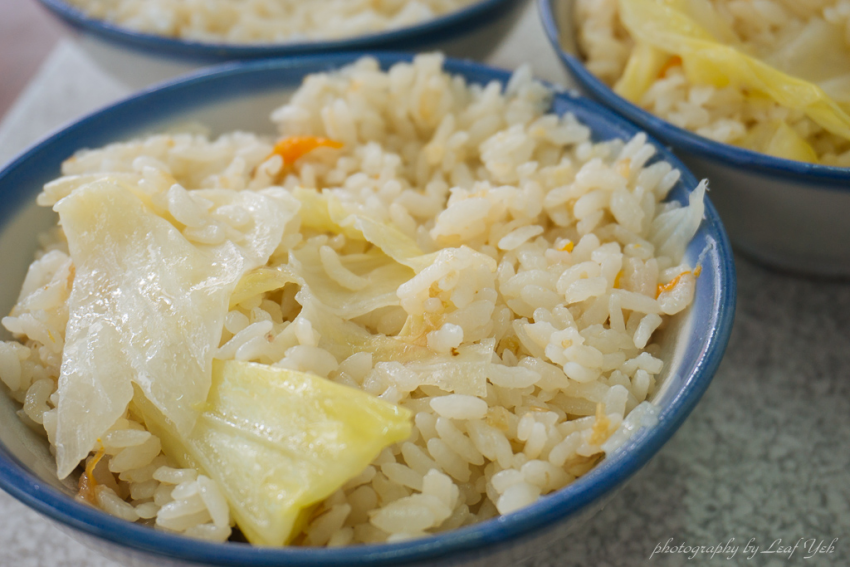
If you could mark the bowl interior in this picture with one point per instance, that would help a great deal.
(242, 96)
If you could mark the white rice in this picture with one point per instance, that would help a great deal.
(721, 114)
(543, 291)
(265, 21)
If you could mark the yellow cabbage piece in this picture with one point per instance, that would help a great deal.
(643, 67)
(693, 31)
(146, 307)
(778, 139)
(261, 280)
(305, 269)
(279, 441)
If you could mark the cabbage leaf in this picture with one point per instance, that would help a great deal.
(383, 274)
(279, 442)
(147, 307)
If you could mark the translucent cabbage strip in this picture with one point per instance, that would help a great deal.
(262, 219)
(343, 338)
(316, 213)
(393, 243)
(60, 188)
(672, 231)
(461, 373)
(147, 306)
(668, 27)
(382, 274)
(279, 441)
(261, 280)
(325, 213)
(464, 372)
(817, 53)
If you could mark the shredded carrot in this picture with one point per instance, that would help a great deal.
(618, 280)
(293, 148)
(674, 61)
(88, 484)
(567, 246)
(668, 286)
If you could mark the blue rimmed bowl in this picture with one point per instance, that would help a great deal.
(786, 214)
(242, 96)
(139, 59)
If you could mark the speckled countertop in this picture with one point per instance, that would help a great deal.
(765, 456)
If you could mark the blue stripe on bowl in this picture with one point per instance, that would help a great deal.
(712, 313)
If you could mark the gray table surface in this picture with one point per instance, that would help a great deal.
(764, 457)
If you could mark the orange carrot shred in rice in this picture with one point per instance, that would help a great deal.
(675, 281)
(88, 484)
(294, 147)
(567, 246)
(674, 61)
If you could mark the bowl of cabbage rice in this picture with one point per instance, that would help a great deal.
(141, 42)
(752, 95)
(349, 310)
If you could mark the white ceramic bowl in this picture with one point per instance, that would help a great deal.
(786, 214)
(140, 59)
(242, 96)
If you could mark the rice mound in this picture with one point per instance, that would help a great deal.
(554, 261)
(722, 114)
(265, 21)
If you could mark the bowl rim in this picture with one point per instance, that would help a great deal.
(678, 137)
(490, 535)
(460, 21)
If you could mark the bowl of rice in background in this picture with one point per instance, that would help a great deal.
(475, 217)
(142, 42)
(782, 212)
